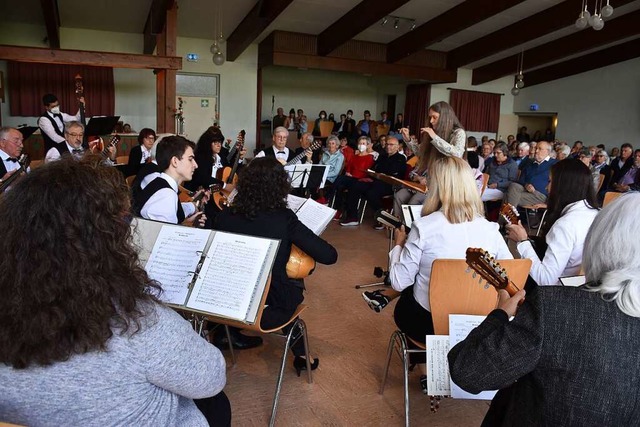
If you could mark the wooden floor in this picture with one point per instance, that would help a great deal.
(351, 341)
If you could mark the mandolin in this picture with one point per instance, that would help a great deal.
(24, 162)
(223, 198)
(296, 159)
(300, 265)
(482, 263)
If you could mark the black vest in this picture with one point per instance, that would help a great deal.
(3, 169)
(268, 152)
(48, 142)
(143, 196)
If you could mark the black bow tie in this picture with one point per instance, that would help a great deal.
(77, 150)
(11, 159)
(281, 152)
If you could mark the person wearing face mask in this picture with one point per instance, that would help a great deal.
(51, 122)
(322, 117)
(355, 171)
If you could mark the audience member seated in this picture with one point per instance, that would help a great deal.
(571, 208)
(452, 220)
(631, 177)
(474, 162)
(340, 128)
(575, 150)
(564, 359)
(290, 121)
(601, 166)
(620, 168)
(346, 150)
(502, 172)
(522, 135)
(367, 126)
(141, 153)
(279, 119)
(322, 117)
(562, 152)
(615, 152)
(486, 153)
(85, 339)
(355, 171)
(522, 153)
(586, 157)
(407, 196)
(472, 146)
(333, 158)
(393, 164)
(311, 156)
(127, 128)
(530, 189)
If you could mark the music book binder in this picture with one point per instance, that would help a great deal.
(206, 271)
(311, 213)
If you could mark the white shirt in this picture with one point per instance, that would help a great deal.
(9, 165)
(217, 164)
(46, 126)
(163, 205)
(53, 154)
(278, 153)
(146, 154)
(565, 242)
(434, 237)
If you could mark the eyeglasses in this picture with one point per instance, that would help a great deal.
(76, 135)
(150, 137)
(15, 140)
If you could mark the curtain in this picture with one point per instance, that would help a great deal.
(477, 111)
(28, 82)
(416, 107)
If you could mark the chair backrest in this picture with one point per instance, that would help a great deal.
(382, 130)
(600, 181)
(122, 160)
(325, 129)
(36, 163)
(454, 291)
(130, 180)
(485, 181)
(609, 197)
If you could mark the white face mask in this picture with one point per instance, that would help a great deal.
(55, 110)
(348, 116)
(322, 116)
(362, 148)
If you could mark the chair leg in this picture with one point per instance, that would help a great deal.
(233, 355)
(305, 340)
(392, 343)
(544, 214)
(287, 346)
(405, 368)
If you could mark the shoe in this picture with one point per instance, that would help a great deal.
(376, 300)
(349, 222)
(377, 226)
(322, 201)
(238, 340)
(337, 216)
(300, 364)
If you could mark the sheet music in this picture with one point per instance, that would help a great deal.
(573, 280)
(438, 379)
(411, 213)
(315, 216)
(294, 202)
(175, 256)
(459, 327)
(230, 275)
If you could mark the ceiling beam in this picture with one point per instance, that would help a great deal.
(527, 29)
(52, 22)
(83, 57)
(362, 16)
(581, 64)
(613, 31)
(256, 21)
(156, 20)
(444, 25)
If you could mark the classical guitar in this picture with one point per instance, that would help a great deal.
(300, 265)
(483, 264)
(24, 162)
(223, 198)
(296, 159)
(509, 213)
(104, 148)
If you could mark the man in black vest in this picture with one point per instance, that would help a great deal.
(158, 199)
(51, 123)
(71, 143)
(279, 149)
(10, 149)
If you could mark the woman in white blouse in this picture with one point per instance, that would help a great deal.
(445, 132)
(571, 208)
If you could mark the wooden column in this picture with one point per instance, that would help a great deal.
(166, 79)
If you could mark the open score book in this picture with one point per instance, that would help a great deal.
(206, 271)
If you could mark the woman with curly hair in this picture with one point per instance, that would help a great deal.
(84, 339)
(260, 209)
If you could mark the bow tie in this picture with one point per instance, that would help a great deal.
(77, 150)
(281, 152)
(11, 159)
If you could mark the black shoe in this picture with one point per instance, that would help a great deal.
(239, 341)
(376, 300)
(300, 364)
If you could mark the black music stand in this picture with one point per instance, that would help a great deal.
(307, 176)
(27, 131)
(99, 126)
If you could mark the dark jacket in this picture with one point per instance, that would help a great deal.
(617, 171)
(568, 358)
(134, 165)
(536, 174)
(503, 174)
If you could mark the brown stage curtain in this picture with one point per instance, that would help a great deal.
(416, 107)
(28, 82)
(477, 111)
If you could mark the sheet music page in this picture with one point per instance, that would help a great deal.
(438, 379)
(229, 275)
(315, 216)
(294, 202)
(410, 213)
(573, 280)
(175, 256)
(459, 327)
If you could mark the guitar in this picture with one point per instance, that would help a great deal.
(509, 213)
(385, 218)
(300, 265)
(482, 263)
(296, 159)
(113, 142)
(223, 198)
(24, 162)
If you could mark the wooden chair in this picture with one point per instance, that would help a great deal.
(325, 129)
(451, 291)
(610, 196)
(122, 160)
(485, 181)
(298, 331)
(534, 209)
(600, 181)
(130, 180)
(36, 163)
(382, 130)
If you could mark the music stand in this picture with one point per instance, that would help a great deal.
(99, 126)
(306, 175)
(27, 131)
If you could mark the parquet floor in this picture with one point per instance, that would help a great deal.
(351, 341)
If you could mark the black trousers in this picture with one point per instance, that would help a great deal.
(275, 315)
(414, 321)
(216, 409)
(372, 191)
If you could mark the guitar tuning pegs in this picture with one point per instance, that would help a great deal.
(474, 275)
(468, 270)
(486, 286)
(480, 281)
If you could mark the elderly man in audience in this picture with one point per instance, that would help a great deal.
(621, 165)
(534, 177)
(522, 153)
(367, 126)
(628, 179)
(600, 165)
(562, 152)
(487, 152)
(393, 164)
(502, 171)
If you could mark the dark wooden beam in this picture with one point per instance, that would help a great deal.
(614, 30)
(85, 57)
(156, 19)
(52, 22)
(166, 79)
(362, 16)
(530, 28)
(442, 26)
(581, 64)
(258, 18)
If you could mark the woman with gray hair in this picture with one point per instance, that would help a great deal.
(568, 355)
